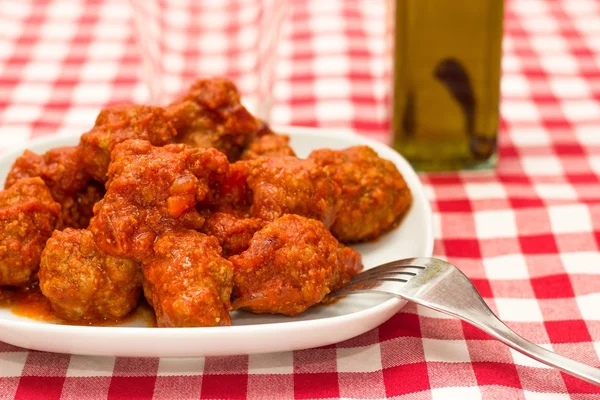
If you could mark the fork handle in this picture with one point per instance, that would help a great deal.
(487, 321)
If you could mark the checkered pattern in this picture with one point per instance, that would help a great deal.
(527, 233)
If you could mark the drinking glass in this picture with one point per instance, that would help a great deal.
(182, 40)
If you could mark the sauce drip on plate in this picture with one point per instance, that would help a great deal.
(30, 303)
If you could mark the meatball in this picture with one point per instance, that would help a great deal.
(152, 189)
(62, 171)
(187, 282)
(291, 265)
(28, 215)
(233, 231)
(84, 284)
(374, 195)
(288, 185)
(60, 168)
(271, 145)
(117, 124)
(210, 114)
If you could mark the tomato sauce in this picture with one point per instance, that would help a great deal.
(31, 303)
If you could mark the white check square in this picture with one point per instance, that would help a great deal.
(581, 110)
(271, 363)
(359, 359)
(477, 191)
(555, 191)
(29, 92)
(584, 262)
(519, 310)
(545, 396)
(41, 70)
(324, 87)
(559, 63)
(510, 266)
(495, 224)
(336, 110)
(570, 218)
(446, 350)
(20, 113)
(541, 165)
(83, 366)
(91, 93)
(569, 87)
(530, 136)
(520, 110)
(515, 85)
(588, 305)
(462, 392)
(12, 363)
(588, 134)
(181, 366)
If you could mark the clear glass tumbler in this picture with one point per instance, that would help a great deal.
(182, 40)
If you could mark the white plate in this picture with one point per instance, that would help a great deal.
(250, 333)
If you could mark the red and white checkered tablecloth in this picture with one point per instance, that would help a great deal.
(527, 233)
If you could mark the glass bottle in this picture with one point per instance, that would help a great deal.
(447, 82)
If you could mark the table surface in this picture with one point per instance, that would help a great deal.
(527, 233)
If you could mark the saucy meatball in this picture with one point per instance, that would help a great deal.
(210, 114)
(84, 284)
(374, 195)
(288, 185)
(270, 145)
(233, 231)
(187, 281)
(152, 189)
(116, 124)
(60, 168)
(62, 171)
(291, 265)
(28, 215)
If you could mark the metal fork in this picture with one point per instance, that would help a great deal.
(441, 286)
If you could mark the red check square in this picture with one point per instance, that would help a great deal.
(551, 287)
(320, 386)
(567, 331)
(230, 387)
(538, 244)
(405, 379)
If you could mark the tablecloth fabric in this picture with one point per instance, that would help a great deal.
(526, 233)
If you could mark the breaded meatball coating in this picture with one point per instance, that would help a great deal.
(62, 170)
(28, 215)
(152, 189)
(288, 185)
(233, 231)
(291, 265)
(271, 145)
(374, 195)
(187, 282)
(84, 284)
(210, 114)
(117, 124)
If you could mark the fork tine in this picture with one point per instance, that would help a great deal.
(389, 268)
(381, 274)
(409, 263)
(364, 286)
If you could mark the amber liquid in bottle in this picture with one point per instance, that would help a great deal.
(447, 82)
